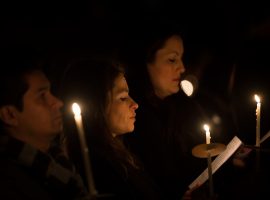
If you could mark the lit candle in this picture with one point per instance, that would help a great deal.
(207, 133)
(87, 165)
(258, 119)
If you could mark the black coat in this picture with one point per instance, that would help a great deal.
(110, 181)
(26, 173)
(165, 133)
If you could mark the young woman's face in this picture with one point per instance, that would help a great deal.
(166, 69)
(121, 108)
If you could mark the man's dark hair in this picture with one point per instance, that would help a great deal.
(15, 65)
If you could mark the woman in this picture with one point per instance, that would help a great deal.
(108, 113)
(168, 123)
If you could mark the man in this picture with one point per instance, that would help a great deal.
(31, 167)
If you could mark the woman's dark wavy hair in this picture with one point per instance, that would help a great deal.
(90, 82)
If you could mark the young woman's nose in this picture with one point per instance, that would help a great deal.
(134, 105)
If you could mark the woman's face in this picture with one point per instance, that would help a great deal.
(167, 67)
(121, 108)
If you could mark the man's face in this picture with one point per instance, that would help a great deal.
(41, 116)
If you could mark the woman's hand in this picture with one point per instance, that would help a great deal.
(188, 193)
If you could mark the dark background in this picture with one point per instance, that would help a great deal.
(224, 40)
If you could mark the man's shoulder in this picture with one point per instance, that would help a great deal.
(17, 183)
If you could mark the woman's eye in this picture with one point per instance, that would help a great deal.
(123, 98)
(172, 60)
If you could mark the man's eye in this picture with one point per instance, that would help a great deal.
(123, 98)
(43, 95)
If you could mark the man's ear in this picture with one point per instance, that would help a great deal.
(8, 114)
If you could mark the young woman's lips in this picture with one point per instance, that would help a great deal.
(133, 117)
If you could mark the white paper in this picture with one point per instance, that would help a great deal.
(220, 160)
(266, 136)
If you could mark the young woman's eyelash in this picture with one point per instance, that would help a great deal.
(123, 98)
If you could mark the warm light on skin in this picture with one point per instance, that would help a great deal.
(257, 98)
(121, 108)
(166, 69)
(76, 109)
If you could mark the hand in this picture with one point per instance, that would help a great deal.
(188, 193)
(240, 155)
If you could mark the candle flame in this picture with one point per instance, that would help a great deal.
(76, 109)
(206, 127)
(257, 98)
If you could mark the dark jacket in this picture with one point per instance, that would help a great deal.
(131, 184)
(112, 180)
(26, 173)
(165, 133)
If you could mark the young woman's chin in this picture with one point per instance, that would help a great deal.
(131, 128)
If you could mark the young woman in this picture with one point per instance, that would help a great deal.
(108, 113)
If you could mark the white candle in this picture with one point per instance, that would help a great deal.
(258, 119)
(87, 165)
(207, 133)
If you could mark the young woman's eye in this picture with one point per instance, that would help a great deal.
(123, 98)
(172, 60)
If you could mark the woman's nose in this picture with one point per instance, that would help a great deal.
(134, 105)
(182, 68)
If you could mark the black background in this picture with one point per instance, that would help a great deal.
(218, 36)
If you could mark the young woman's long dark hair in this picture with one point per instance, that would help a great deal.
(90, 83)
